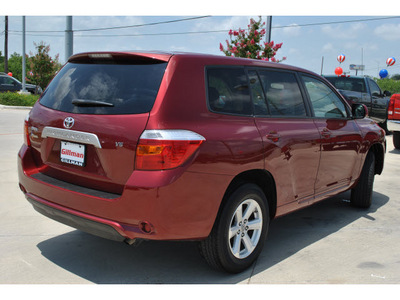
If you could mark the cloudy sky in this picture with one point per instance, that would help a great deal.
(364, 37)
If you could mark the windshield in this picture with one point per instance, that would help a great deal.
(348, 84)
(85, 88)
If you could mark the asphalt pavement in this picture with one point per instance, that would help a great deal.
(327, 243)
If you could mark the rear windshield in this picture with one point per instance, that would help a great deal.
(348, 84)
(105, 88)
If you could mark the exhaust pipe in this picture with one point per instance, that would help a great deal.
(130, 241)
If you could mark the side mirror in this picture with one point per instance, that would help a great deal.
(359, 111)
(387, 93)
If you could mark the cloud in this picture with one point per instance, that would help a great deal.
(389, 32)
(292, 31)
(327, 47)
(222, 23)
(343, 31)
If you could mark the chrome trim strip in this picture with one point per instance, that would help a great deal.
(71, 136)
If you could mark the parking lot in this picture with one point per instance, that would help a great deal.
(330, 242)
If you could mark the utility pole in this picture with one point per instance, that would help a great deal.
(268, 30)
(23, 56)
(69, 38)
(6, 45)
(322, 65)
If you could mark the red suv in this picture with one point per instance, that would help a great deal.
(164, 146)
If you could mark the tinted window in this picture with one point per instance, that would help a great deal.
(257, 94)
(375, 90)
(7, 80)
(228, 91)
(283, 93)
(120, 89)
(325, 102)
(348, 84)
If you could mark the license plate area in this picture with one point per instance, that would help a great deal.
(73, 153)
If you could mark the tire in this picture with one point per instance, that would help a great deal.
(384, 127)
(361, 194)
(396, 139)
(239, 232)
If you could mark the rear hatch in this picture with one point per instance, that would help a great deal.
(86, 126)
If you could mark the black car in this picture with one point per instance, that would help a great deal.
(10, 84)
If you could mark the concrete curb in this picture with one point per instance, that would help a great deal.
(15, 107)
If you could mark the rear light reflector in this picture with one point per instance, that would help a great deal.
(166, 149)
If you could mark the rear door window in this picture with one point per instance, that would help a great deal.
(283, 93)
(257, 94)
(228, 91)
(86, 88)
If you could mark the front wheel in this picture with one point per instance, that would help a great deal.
(361, 194)
(238, 235)
(396, 139)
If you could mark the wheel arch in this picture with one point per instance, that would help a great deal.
(263, 179)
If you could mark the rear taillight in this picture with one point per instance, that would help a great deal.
(166, 149)
(27, 140)
(391, 109)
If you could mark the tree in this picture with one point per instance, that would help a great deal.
(395, 77)
(249, 43)
(15, 65)
(42, 66)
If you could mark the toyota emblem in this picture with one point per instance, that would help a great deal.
(69, 122)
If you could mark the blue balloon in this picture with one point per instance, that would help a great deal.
(383, 73)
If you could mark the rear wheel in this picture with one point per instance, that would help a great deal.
(396, 139)
(239, 233)
(361, 194)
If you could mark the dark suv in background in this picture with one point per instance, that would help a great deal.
(172, 146)
(364, 90)
(10, 84)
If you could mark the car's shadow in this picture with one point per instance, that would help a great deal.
(103, 261)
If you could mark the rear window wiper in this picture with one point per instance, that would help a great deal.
(88, 102)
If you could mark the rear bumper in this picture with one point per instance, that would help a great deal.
(393, 125)
(174, 205)
(87, 223)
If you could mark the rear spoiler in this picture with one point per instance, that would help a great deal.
(120, 58)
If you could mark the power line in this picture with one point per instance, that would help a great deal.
(336, 22)
(117, 27)
(190, 32)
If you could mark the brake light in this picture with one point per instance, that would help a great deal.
(27, 140)
(391, 107)
(166, 149)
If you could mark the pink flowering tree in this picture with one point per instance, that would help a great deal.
(249, 43)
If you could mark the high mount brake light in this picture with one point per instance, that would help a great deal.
(166, 149)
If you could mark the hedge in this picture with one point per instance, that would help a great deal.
(390, 85)
(15, 99)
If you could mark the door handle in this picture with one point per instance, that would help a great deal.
(326, 133)
(273, 136)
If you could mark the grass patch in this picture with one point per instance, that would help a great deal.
(15, 99)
